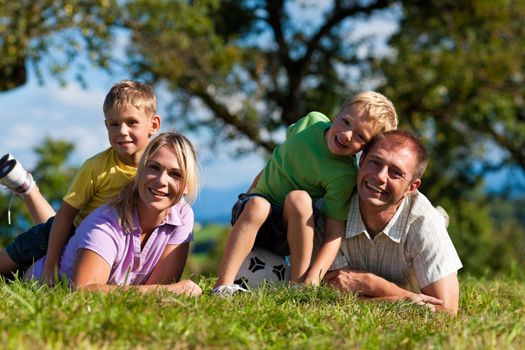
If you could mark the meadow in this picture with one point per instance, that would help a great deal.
(491, 316)
(32, 316)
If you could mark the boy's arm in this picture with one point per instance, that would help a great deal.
(57, 240)
(329, 247)
(254, 182)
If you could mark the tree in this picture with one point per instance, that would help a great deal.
(244, 70)
(457, 77)
(27, 29)
(251, 66)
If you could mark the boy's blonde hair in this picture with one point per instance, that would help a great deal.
(130, 92)
(380, 109)
(126, 201)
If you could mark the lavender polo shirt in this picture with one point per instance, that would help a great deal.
(101, 233)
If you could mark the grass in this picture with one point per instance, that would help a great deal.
(492, 316)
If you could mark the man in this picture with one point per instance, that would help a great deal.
(396, 244)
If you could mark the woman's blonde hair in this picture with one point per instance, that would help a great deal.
(126, 201)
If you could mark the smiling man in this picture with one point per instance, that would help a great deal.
(396, 244)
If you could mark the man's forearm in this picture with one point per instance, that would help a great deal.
(371, 286)
(365, 283)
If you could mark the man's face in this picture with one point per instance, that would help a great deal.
(386, 174)
(350, 131)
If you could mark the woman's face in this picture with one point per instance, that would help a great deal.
(161, 180)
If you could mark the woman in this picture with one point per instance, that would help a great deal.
(141, 239)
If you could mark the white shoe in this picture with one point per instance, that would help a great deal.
(228, 290)
(14, 176)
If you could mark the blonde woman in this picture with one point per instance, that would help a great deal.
(141, 238)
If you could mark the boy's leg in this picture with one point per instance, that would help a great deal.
(27, 248)
(299, 217)
(241, 238)
(6, 263)
(38, 206)
(19, 181)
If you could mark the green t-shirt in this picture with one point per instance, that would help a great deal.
(304, 162)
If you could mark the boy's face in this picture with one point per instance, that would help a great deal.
(350, 131)
(129, 130)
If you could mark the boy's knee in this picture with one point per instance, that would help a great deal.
(256, 208)
(298, 202)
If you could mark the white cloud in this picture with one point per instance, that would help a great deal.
(31, 113)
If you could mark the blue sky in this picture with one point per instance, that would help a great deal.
(33, 112)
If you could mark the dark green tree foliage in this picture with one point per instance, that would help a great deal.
(250, 64)
(53, 177)
(456, 77)
(27, 37)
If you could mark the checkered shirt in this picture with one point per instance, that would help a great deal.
(413, 250)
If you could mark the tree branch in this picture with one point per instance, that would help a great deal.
(248, 129)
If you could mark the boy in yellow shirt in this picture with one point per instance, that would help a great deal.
(130, 119)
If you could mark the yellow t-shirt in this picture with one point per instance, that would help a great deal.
(99, 179)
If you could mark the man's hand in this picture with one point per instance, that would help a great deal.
(346, 280)
(371, 286)
(425, 300)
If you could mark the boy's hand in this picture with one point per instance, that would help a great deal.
(49, 274)
(57, 240)
(311, 280)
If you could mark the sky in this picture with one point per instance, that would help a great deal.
(32, 112)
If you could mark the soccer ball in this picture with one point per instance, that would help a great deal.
(262, 266)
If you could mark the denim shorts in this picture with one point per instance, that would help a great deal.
(31, 245)
(272, 234)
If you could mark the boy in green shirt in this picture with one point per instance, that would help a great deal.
(316, 161)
